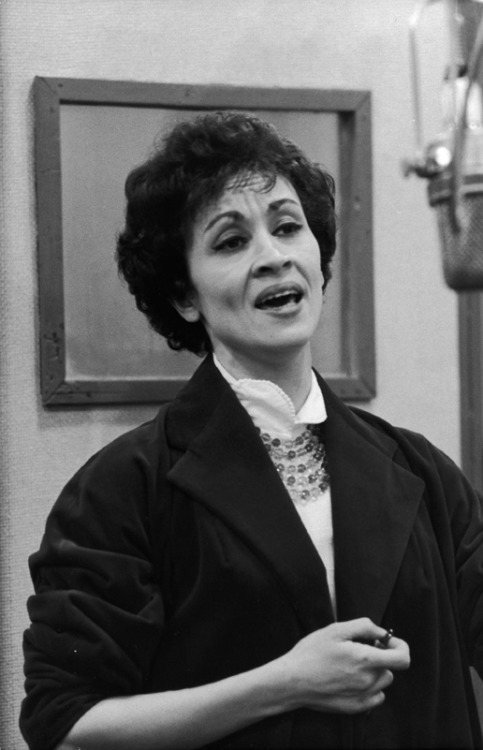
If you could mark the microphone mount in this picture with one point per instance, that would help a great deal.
(453, 162)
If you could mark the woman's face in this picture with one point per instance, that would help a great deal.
(255, 271)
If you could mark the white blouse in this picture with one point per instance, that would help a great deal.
(292, 441)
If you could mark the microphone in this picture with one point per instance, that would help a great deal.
(453, 161)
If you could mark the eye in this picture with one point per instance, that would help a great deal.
(231, 243)
(287, 228)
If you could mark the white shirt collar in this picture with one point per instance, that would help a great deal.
(271, 409)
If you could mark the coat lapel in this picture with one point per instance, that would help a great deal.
(374, 505)
(225, 467)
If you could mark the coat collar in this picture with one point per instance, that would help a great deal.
(224, 466)
(375, 500)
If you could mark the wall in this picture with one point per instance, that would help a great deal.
(298, 43)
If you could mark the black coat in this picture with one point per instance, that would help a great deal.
(175, 558)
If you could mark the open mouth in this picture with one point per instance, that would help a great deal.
(271, 300)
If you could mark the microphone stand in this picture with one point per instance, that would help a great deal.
(453, 162)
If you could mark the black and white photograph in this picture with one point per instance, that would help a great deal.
(241, 374)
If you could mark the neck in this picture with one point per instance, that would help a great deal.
(292, 374)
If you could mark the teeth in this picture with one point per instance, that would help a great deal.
(274, 299)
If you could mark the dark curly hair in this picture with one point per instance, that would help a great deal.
(185, 173)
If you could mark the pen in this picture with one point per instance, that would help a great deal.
(384, 641)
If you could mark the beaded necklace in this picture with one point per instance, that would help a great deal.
(301, 463)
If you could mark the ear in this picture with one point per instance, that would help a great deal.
(187, 308)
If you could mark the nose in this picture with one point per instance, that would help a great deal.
(270, 257)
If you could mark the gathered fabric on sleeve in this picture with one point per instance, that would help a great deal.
(97, 612)
(467, 530)
(456, 510)
(460, 537)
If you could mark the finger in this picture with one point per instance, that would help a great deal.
(384, 680)
(394, 642)
(394, 657)
(366, 702)
(375, 695)
(376, 700)
(362, 629)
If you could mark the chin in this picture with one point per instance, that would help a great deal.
(283, 344)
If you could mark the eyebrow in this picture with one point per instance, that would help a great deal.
(236, 215)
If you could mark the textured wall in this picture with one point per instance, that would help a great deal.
(310, 43)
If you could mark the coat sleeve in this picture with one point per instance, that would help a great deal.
(97, 612)
(456, 509)
(467, 532)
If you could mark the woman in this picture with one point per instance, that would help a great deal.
(230, 573)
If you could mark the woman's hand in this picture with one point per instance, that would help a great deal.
(329, 670)
(340, 668)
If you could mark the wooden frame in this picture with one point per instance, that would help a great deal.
(354, 378)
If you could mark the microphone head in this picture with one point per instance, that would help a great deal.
(460, 223)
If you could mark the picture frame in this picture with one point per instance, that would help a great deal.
(95, 347)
